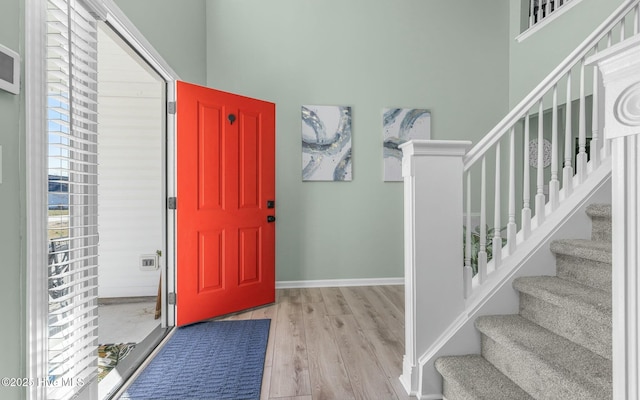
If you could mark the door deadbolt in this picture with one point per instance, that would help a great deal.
(271, 218)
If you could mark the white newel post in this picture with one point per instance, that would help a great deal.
(433, 258)
(620, 67)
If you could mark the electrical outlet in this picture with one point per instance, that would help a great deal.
(148, 262)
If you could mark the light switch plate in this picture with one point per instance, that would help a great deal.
(9, 70)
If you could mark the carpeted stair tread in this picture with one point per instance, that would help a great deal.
(584, 261)
(471, 377)
(541, 362)
(572, 310)
(582, 248)
(599, 210)
(589, 302)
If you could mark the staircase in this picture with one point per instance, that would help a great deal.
(524, 185)
(559, 345)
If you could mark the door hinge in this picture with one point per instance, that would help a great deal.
(171, 107)
(172, 203)
(171, 298)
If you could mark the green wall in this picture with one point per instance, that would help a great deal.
(12, 211)
(176, 29)
(449, 57)
(535, 57)
(458, 59)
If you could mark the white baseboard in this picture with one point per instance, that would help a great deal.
(338, 283)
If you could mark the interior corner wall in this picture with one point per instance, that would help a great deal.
(449, 57)
(531, 60)
(176, 29)
(12, 210)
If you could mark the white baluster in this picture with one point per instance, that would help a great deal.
(497, 237)
(582, 131)
(526, 196)
(567, 171)
(636, 19)
(532, 20)
(468, 270)
(540, 199)
(594, 148)
(622, 28)
(554, 183)
(547, 8)
(482, 253)
(606, 144)
(511, 226)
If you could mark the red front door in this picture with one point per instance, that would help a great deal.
(225, 178)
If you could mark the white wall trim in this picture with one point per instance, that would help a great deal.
(36, 187)
(121, 24)
(320, 283)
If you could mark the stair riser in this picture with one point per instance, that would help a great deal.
(592, 334)
(534, 376)
(591, 273)
(601, 229)
(600, 215)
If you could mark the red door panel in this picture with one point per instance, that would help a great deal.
(226, 174)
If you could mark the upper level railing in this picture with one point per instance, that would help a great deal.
(558, 125)
(541, 9)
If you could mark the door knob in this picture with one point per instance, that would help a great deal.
(271, 218)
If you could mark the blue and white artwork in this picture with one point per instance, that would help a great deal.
(326, 143)
(399, 126)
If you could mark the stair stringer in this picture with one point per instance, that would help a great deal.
(531, 258)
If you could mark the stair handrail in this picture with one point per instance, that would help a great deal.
(494, 135)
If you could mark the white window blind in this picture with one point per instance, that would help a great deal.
(72, 194)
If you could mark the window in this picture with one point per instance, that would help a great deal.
(61, 276)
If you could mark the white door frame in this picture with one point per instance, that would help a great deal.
(36, 174)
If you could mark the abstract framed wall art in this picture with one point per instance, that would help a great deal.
(400, 125)
(326, 143)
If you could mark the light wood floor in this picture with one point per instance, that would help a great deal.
(334, 343)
